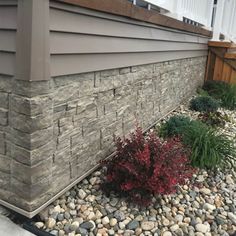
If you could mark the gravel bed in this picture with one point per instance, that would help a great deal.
(205, 206)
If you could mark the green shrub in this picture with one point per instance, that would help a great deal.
(209, 148)
(222, 91)
(174, 126)
(204, 104)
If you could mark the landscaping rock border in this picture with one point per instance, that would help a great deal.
(205, 206)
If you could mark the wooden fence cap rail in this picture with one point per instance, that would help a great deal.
(221, 44)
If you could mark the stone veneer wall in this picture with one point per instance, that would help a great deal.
(52, 132)
(5, 156)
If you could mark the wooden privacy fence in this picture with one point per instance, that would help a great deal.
(221, 63)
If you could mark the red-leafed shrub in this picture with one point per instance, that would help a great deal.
(144, 165)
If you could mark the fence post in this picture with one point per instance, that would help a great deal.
(218, 20)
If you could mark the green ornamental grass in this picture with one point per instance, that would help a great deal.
(209, 148)
(222, 91)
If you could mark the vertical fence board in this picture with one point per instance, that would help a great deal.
(218, 69)
(218, 66)
(211, 66)
(233, 77)
(226, 73)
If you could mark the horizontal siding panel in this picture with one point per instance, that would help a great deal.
(7, 65)
(8, 15)
(8, 2)
(73, 64)
(63, 21)
(62, 43)
(7, 40)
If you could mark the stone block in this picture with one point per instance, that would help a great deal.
(2, 143)
(59, 175)
(93, 126)
(148, 87)
(135, 68)
(84, 166)
(92, 138)
(34, 140)
(110, 107)
(123, 92)
(62, 137)
(5, 162)
(31, 89)
(123, 111)
(85, 106)
(104, 83)
(31, 174)
(107, 143)
(128, 124)
(32, 157)
(61, 159)
(30, 106)
(66, 93)
(125, 70)
(67, 128)
(107, 73)
(76, 139)
(72, 105)
(5, 180)
(3, 117)
(63, 143)
(35, 192)
(73, 168)
(6, 83)
(89, 147)
(87, 87)
(105, 97)
(61, 81)
(60, 108)
(4, 101)
(30, 124)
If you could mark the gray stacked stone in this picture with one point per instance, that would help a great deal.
(31, 143)
(5, 158)
(89, 109)
(52, 132)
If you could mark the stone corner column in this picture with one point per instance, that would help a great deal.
(31, 109)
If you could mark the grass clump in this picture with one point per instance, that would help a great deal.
(209, 149)
(174, 126)
(204, 104)
(202, 92)
(222, 91)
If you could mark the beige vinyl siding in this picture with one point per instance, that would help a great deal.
(62, 43)
(83, 40)
(83, 23)
(72, 64)
(8, 25)
(8, 40)
(7, 65)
